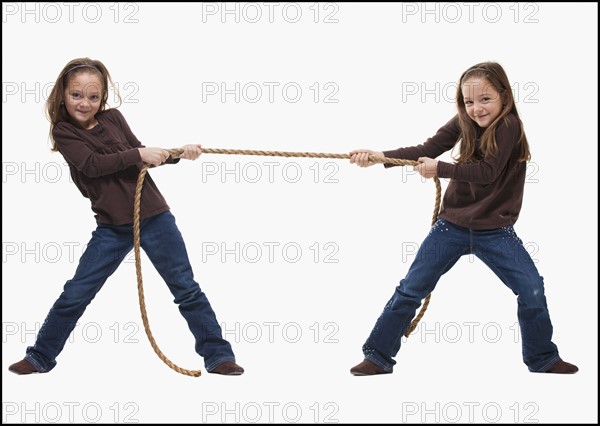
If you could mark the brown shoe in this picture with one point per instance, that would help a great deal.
(22, 367)
(562, 367)
(228, 368)
(367, 368)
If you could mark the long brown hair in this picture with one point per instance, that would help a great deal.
(494, 74)
(55, 105)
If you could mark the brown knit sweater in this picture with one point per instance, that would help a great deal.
(482, 195)
(104, 162)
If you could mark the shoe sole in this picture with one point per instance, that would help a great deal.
(23, 374)
(358, 373)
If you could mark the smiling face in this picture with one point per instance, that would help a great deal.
(482, 101)
(82, 96)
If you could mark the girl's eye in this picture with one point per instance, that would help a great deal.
(75, 95)
(95, 98)
(468, 102)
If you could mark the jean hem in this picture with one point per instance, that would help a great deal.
(385, 368)
(215, 364)
(36, 364)
(547, 366)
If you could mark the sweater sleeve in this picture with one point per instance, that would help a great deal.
(88, 161)
(444, 140)
(487, 170)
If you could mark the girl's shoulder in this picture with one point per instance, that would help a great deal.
(111, 114)
(64, 128)
(509, 129)
(511, 120)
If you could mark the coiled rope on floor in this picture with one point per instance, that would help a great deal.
(176, 153)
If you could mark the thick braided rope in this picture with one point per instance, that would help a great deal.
(176, 153)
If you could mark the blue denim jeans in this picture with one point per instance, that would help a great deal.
(163, 243)
(503, 252)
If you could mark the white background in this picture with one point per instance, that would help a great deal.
(297, 320)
